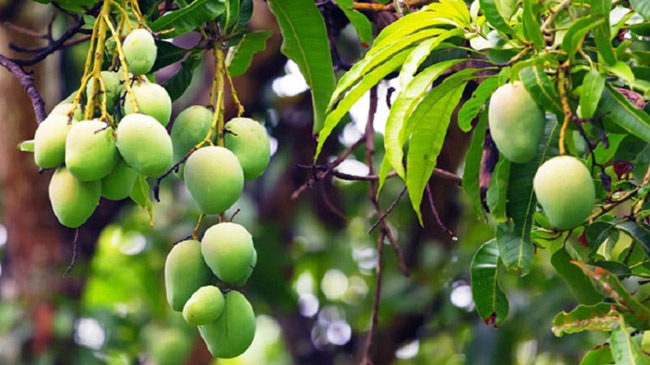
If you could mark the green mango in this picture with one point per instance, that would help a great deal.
(49, 141)
(185, 273)
(228, 250)
(233, 332)
(119, 183)
(90, 152)
(170, 346)
(214, 179)
(204, 306)
(249, 271)
(112, 84)
(152, 99)
(190, 127)
(140, 51)
(65, 108)
(516, 122)
(73, 201)
(248, 140)
(565, 190)
(144, 144)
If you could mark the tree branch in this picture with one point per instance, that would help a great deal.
(27, 82)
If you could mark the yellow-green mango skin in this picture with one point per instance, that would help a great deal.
(250, 143)
(233, 332)
(140, 51)
(249, 271)
(65, 108)
(90, 152)
(170, 346)
(190, 127)
(204, 306)
(152, 99)
(119, 183)
(49, 141)
(214, 179)
(112, 84)
(73, 201)
(565, 190)
(228, 250)
(144, 144)
(185, 273)
(516, 122)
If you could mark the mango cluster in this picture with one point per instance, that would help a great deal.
(563, 185)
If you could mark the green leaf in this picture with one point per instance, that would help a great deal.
(453, 12)
(168, 53)
(140, 195)
(180, 81)
(189, 18)
(577, 32)
(494, 17)
(26, 146)
(403, 27)
(472, 107)
(240, 56)
(622, 71)
(578, 283)
(597, 317)
(230, 18)
(642, 7)
(592, 88)
(532, 27)
(541, 88)
(617, 109)
(601, 34)
(359, 21)
(601, 355)
(498, 190)
(245, 13)
(637, 231)
(491, 303)
(624, 349)
(472, 169)
(305, 42)
(431, 121)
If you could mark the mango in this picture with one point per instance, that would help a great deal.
(214, 179)
(204, 306)
(249, 271)
(49, 141)
(65, 108)
(112, 84)
(73, 201)
(140, 51)
(185, 273)
(565, 190)
(233, 332)
(90, 152)
(144, 144)
(169, 346)
(119, 183)
(152, 99)
(228, 250)
(248, 140)
(516, 122)
(190, 127)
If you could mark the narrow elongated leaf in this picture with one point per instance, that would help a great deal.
(642, 7)
(180, 81)
(404, 26)
(168, 53)
(592, 88)
(532, 27)
(579, 284)
(541, 88)
(497, 193)
(188, 18)
(597, 317)
(240, 57)
(455, 11)
(305, 42)
(245, 13)
(230, 18)
(601, 34)
(617, 109)
(601, 355)
(624, 349)
(431, 120)
(473, 164)
(491, 12)
(473, 106)
(577, 32)
(639, 232)
(359, 21)
(491, 303)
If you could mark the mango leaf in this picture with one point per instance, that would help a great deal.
(140, 195)
(245, 13)
(472, 107)
(601, 34)
(617, 109)
(240, 56)
(359, 21)
(405, 26)
(601, 355)
(624, 349)
(494, 17)
(642, 7)
(609, 285)
(541, 88)
(431, 121)
(454, 12)
(532, 27)
(473, 164)
(639, 232)
(577, 32)
(597, 317)
(497, 193)
(188, 18)
(230, 18)
(180, 81)
(305, 42)
(168, 53)
(592, 88)
(26, 146)
(578, 283)
(491, 303)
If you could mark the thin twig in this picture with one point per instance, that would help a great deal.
(330, 204)
(436, 216)
(444, 174)
(75, 253)
(554, 13)
(366, 360)
(27, 82)
(387, 212)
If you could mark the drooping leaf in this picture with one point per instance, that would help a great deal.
(305, 42)
(617, 109)
(404, 26)
(601, 355)
(642, 7)
(168, 53)
(541, 88)
(491, 303)
(579, 284)
(597, 317)
(577, 31)
(473, 164)
(602, 8)
(454, 12)
(180, 81)
(359, 21)
(592, 88)
(532, 27)
(497, 193)
(472, 107)
(140, 195)
(240, 56)
(494, 17)
(624, 349)
(188, 18)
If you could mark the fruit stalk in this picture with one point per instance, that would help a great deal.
(565, 108)
(123, 67)
(99, 53)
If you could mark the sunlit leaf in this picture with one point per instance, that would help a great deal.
(359, 21)
(240, 56)
(592, 88)
(617, 109)
(189, 18)
(598, 317)
(624, 349)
